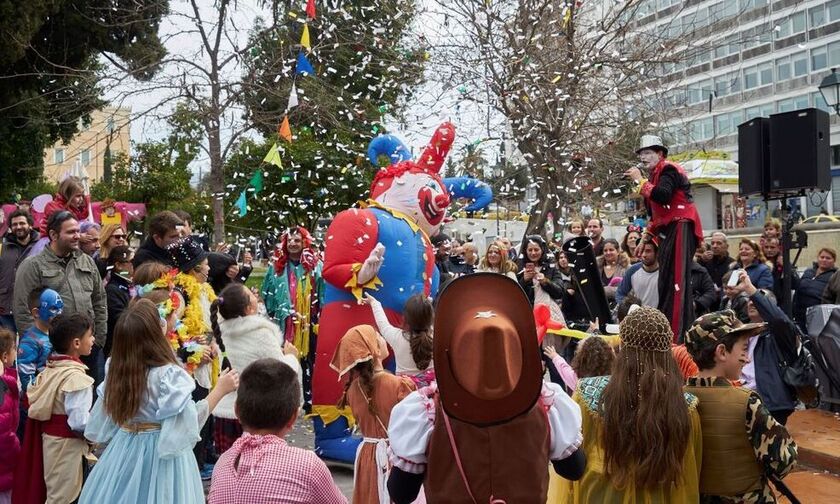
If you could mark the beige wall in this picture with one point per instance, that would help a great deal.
(90, 144)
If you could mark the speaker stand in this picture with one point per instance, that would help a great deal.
(791, 239)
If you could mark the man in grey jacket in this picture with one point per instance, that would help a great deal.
(17, 243)
(63, 267)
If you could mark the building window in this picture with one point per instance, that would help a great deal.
(834, 54)
(722, 125)
(109, 125)
(800, 64)
(759, 111)
(750, 77)
(58, 156)
(730, 8)
(791, 104)
(783, 69)
(819, 58)
(751, 4)
(765, 71)
(833, 10)
(819, 102)
(816, 16)
(790, 26)
(85, 157)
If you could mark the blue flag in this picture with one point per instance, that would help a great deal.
(242, 204)
(303, 66)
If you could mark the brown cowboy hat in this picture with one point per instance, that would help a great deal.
(487, 359)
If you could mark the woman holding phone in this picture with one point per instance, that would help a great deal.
(539, 278)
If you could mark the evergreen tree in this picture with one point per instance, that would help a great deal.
(49, 70)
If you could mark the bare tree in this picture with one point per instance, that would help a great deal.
(576, 83)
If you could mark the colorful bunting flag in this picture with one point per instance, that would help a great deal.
(242, 204)
(303, 66)
(293, 98)
(310, 9)
(257, 181)
(285, 131)
(304, 37)
(273, 157)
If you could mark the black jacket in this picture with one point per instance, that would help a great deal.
(717, 267)
(809, 292)
(703, 290)
(219, 263)
(11, 256)
(554, 286)
(117, 295)
(149, 251)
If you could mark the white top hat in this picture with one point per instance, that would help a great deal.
(651, 141)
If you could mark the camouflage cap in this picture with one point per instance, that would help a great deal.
(718, 324)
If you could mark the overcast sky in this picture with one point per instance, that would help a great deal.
(433, 103)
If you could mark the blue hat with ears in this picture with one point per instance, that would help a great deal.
(50, 304)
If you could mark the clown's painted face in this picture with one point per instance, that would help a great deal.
(419, 195)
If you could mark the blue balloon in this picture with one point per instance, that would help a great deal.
(470, 188)
(387, 145)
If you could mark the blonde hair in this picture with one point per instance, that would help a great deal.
(505, 264)
(104, 236)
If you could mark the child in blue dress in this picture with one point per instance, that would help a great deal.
(146, 414)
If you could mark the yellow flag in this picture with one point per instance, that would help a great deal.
(304, 37)
(273, 157)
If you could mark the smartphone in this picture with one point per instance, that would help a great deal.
(735, 278)
(530, 266)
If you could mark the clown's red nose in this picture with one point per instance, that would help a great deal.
(441, 201)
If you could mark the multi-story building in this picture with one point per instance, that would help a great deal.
(749, 58)
(107, 135)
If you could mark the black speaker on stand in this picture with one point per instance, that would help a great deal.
(782, 157)
(800, 151)
(754, 156)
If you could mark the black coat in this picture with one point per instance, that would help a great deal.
(219, 262)
(717, 267)
(118, 296)
(13, 253)
(149, 251)
(809, 292)
(554, 286)
(702, 290)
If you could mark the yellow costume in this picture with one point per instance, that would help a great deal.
(595, 487)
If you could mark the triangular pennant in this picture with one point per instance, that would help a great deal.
(304, 37)
(293, 98)
(310, 9)
(285, 131)
(257, 181)
(303, 66)
(273, 157)
(242, 204)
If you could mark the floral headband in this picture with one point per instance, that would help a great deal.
(166, 281)
(634, 228)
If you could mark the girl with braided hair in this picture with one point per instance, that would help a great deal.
(412, 343)
(243, 336)
(641, 431)
(371, 393)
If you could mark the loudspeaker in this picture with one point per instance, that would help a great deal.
(753, 156)
(800, 151)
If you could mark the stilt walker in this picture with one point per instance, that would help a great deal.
(675, 222)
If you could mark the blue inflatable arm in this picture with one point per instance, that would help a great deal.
(387, 145)
(470, 188)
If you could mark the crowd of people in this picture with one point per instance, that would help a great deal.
(131, 375)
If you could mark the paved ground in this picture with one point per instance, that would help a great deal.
(303, 437)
